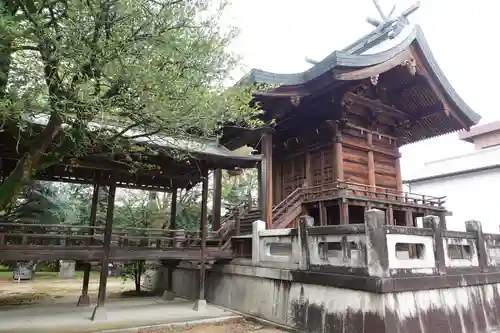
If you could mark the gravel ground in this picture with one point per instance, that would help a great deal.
(50, 291)
(240, 326)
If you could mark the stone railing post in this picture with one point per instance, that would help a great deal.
(304, 258)
(435, 223)
(257, 226)
(376, 243)
(477, 228)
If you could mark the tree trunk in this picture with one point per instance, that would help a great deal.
(138, 273)
(27, 165)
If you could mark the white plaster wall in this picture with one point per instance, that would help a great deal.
(471, 196)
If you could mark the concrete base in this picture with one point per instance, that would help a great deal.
(99, 313)
(168, 295)
(200, 305)
(83, 300)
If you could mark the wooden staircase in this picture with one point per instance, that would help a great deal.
(239, 221)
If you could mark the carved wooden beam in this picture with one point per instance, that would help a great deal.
(376, 105)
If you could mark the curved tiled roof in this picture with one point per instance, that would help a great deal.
(339, 59)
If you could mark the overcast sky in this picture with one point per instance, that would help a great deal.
(276, 35)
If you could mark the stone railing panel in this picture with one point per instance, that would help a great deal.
(460, 249)
(492, 243)
(340, 246)
(376, 249)
(411, 252)
(279, 246)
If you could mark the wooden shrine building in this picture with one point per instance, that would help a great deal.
(332, 150)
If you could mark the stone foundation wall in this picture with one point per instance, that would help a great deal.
(273, 295)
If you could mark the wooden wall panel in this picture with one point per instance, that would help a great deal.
(385, 171)
(277, 181)
(355, 165)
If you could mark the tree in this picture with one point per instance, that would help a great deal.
(100, 73)
(38, 202)
(237, 189)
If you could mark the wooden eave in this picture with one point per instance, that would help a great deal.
(163, 173)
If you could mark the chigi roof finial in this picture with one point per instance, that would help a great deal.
(396, 23)
(387, 28)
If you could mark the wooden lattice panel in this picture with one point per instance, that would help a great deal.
(327, 164)
(322, 165)
(293, 173)
(316, 167)
(287, 177)
(299, 173)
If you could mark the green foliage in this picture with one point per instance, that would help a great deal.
(85, 67)
(240, 188)
(40, 203)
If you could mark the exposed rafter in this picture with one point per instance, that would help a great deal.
(376, 106)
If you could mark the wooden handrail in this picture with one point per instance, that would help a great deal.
(376, 191)
(288, 204)
(395, 192)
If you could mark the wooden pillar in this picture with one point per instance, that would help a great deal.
(99, 311)
(200, 303)
(442, 224)
(371, 161)
(323, 216)
(344, 211)
(259, 186)
(173, 210)
(308, 171)
(84, 297)
(408, 218)
(399, 180)
(266, 179)
(217, 199)
(338, 156)
(390, 215)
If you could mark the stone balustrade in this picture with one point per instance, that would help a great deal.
(373, 248)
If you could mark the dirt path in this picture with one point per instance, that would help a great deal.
(52, 291)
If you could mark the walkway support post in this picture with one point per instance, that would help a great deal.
(266, 196)
(200, 303)
(84, 299)
(99, 311)
(168, 294)
(217, 199)
(173, 210)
